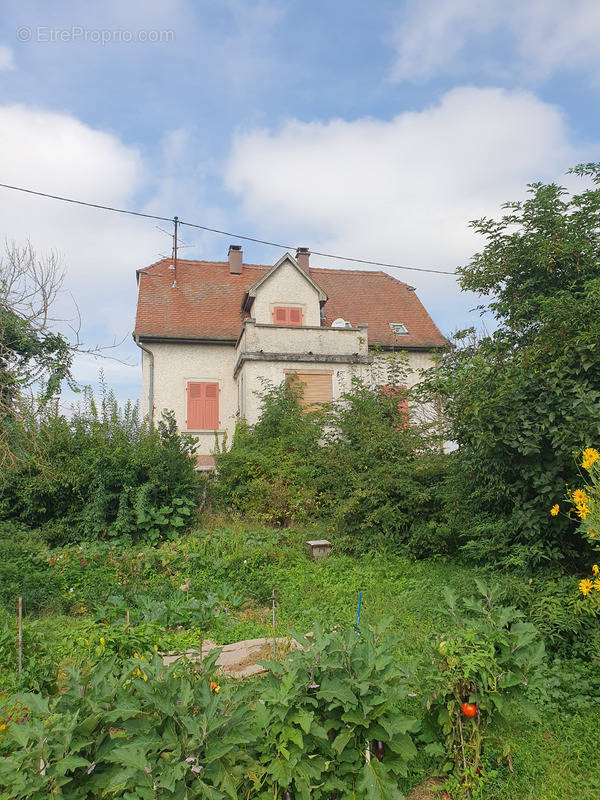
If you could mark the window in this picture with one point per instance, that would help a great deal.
(399, 328)
(285, 315)
(316, 387)
(202, 406)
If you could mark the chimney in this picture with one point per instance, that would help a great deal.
(235, 259)
(302, 256)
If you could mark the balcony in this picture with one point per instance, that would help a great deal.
(260, 342)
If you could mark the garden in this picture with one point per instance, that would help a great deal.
(449, 645)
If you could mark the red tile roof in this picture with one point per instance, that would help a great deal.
(208, 301)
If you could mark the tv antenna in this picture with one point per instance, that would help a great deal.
(178, 244)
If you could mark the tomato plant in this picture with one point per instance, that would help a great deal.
(487, 662)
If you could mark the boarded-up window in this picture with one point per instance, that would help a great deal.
(202, 406)
(284, 315)
(316, 387)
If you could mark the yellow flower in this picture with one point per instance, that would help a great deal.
(597, 584)
(2, 727)
(102, 642)
(595, 569)
(582, 510)
(144, 676)
(579, 497)
(589, 457)
(585, 586)
(555, 509)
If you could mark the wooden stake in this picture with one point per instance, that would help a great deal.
(273, 605)
(20, 633)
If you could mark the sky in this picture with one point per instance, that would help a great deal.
(373, 130)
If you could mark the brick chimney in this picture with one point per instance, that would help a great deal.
(302, 256)
(235, 259)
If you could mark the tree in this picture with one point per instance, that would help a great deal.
(520, 401)
(35, 356)
(30, 350)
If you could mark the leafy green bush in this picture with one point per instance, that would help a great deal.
(269, 471)
(40, 659)
(357, 464)
(378, 475)
(24, 570)
(550, 601)
(324, 707)
(102, 473)
(138, 731)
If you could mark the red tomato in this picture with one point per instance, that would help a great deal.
(469, 709)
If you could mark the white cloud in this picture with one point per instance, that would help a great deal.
(403, 190)
(6, 58)
(451, 37)
(58, 154)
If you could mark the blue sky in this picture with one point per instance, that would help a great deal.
(373, 130)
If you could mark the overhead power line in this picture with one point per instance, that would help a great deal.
(221, 232)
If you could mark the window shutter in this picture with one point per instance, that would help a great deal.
(202, 406)
(295, 316)
(316, 388)
(393, 391)
(283, 315)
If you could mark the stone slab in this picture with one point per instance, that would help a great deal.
(239, 660)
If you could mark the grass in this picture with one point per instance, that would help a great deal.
(555, 759)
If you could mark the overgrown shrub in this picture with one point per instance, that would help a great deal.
(101, 473)
(269, 471)
(24, 570)
(357, 463)
(379, 475)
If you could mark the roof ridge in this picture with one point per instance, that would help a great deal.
(202, 261)
(267, 267)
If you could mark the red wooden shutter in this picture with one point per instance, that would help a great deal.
(202, 406)
(294, 316)
(392, 391)
(283, 315)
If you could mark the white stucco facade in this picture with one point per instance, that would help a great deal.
(175, 365)
(287, 285)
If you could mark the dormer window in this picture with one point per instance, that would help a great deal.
(398, 328)
(286, 315)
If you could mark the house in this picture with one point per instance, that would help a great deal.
(212, 334)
